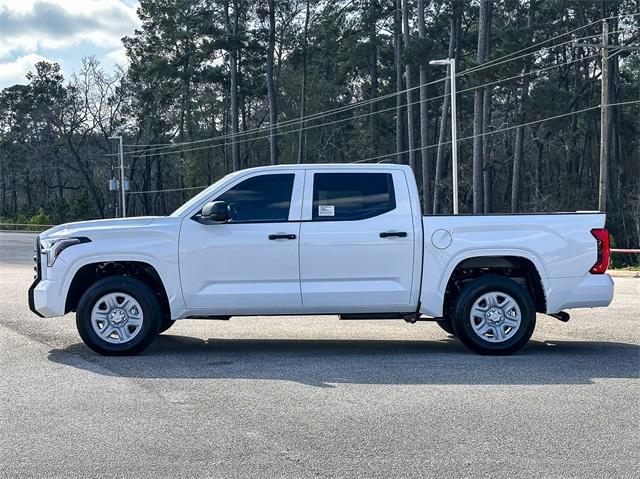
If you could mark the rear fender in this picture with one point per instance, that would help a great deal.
(434, 286)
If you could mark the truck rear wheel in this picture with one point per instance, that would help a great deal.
(118, 316)
(494, 315)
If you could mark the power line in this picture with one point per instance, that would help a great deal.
(356, 117)
(498, 130)
(595, 22)
(484, 65)
(506, 58)
(532, 72)
(380, 157)
(167, 190)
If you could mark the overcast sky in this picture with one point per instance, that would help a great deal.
(62, 31)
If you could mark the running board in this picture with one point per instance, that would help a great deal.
(408, 317)
(348, 317)
(204, 316)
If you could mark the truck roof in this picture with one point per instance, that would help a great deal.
(320, 166)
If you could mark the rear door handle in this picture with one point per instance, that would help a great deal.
(282, 236)
(399, 234)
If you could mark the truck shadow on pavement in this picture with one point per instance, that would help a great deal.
(326, 363)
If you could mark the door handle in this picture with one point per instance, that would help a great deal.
(282, 236)
(399, 234)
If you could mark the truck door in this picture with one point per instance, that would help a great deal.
(356, 241)
(250, 263)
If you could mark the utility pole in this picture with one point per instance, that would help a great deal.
(604, 121)
(451, 63)
(454, 134)
(121, 158)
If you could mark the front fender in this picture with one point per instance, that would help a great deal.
(167, 271)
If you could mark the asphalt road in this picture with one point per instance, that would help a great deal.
(317, 397)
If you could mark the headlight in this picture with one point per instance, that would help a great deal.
(54, 246)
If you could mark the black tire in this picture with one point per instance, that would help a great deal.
(166, 324)
(447, 326)
(151, 311)
(462, 321)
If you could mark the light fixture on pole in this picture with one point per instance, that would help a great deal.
(451, 63)
(122, 185)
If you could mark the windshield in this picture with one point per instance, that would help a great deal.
(200, 196)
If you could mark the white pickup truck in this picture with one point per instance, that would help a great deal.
(347, 240)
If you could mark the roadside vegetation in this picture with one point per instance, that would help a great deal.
(213, 86)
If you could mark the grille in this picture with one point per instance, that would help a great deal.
(36, 258)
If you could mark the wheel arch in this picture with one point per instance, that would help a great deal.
(87, 273)
(522, 268)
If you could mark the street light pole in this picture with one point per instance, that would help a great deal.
(121, 157)
(451, 63)
(454, 134)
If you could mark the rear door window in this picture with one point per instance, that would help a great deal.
(352, 196)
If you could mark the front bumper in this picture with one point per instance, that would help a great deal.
(45, 298)
(37, 278)
(589, 291)
(32, 302)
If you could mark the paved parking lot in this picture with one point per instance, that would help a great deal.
(317, 397)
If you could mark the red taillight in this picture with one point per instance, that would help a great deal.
(602, 237)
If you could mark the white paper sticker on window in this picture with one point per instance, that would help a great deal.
(326, 210)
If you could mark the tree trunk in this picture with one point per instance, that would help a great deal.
(243, 124)
(14, 196)
(186, 78)
(537, 173)
(519, 146)
(303, 94)
(146, 185)
(231, 31)
(161, 199)
(3, 189)
(616, 173)
(454, 35)
(478, 117)
(410, 129)
(424, 138)
(27, 188)
(181, 162)
(84, 169)
(59, 181)
(487, 170)
(271, 87)
(372, 53)
(226, 124)
(397, 41)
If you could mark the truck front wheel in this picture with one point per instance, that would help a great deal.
(446, 325)
(118, 316)
(166, 324)
(494, 315)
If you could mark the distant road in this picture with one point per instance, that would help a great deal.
(16, 248)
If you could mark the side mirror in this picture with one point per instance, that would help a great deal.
(215, 212)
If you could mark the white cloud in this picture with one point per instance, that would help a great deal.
(118, 57)
(27, 25)
(15, 71)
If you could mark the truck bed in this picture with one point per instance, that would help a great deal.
(559, 245)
